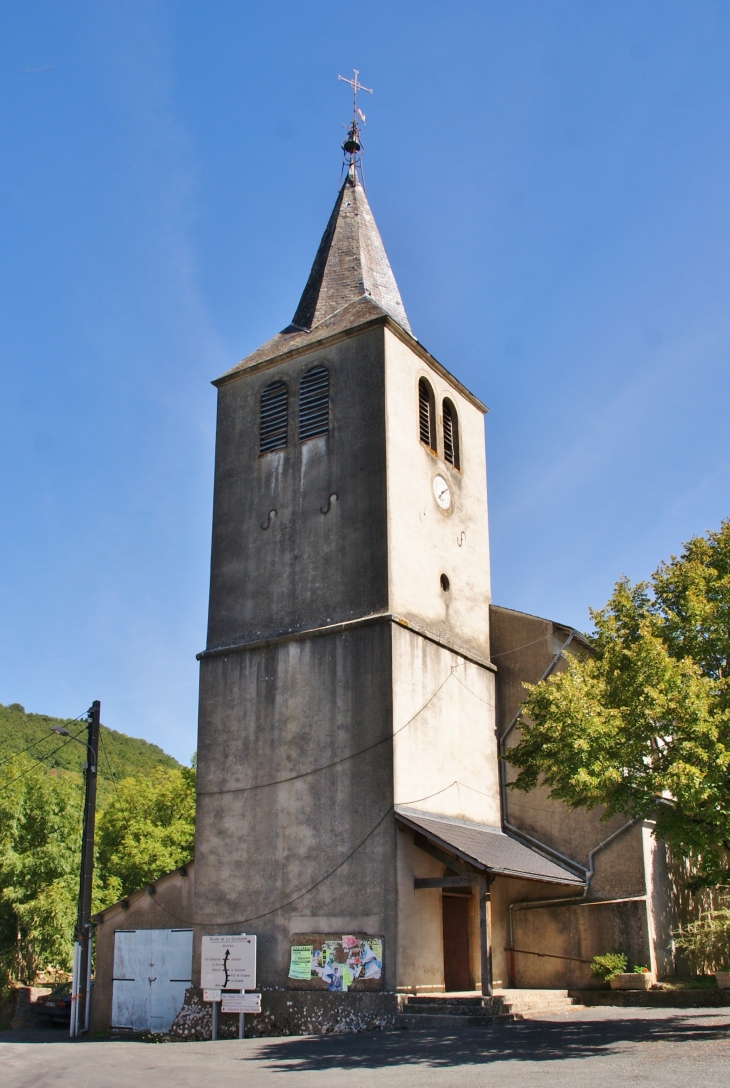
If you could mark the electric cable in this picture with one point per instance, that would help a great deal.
(15, 755)
(300, 895)
(294, 899)
(344, 759)
(522, 647)
(37, 763)
(104, 752)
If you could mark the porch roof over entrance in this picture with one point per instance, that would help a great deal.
(487, 848)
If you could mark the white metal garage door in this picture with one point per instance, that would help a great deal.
(152, 969)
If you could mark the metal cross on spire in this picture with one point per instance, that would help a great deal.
(356, 86)
(352, 146)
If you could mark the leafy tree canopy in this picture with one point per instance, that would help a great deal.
(40, 841)
(147, 829)
(144, 829)
(643, 726)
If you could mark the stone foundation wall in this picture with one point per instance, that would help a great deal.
(25, 1015)
(290, 1012)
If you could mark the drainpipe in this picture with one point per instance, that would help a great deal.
(533, 904)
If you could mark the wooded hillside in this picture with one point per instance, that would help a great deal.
(120, 756)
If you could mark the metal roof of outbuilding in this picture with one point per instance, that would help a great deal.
(487, 847)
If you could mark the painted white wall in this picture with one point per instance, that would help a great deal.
(444, 743)
(423, 540)
(420, 921)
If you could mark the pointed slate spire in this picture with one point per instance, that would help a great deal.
(351, 263)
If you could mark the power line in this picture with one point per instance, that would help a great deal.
(344, 759)
(256, 917)
(15, 755)
(37, 763)
(300, 895)
(108, 764)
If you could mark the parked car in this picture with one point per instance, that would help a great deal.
(56, 1006)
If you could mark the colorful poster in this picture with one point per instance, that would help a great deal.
(372, 958)
(300, 965)
(339, 963)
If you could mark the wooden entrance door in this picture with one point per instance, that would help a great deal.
(457, 975)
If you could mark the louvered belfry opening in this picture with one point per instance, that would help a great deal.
(273, 418)
(426, 414)
(451, 435)
(314, 403)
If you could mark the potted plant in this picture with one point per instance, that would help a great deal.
(611, 967)
(640, 978)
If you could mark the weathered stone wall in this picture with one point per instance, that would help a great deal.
(295, 831)
(307, 568)
(291, 1012)
(24, 1015)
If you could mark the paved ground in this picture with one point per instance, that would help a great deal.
(591, 1048)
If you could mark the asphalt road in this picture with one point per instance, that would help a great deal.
(591, 1048)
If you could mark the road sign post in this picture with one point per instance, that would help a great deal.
(228, 963)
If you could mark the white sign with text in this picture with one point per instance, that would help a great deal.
(250, 1003)
(228, 962)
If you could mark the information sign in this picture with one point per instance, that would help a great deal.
(250, 1003)
(228, 961)
(211, 995)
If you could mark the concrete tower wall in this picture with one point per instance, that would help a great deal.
(425, 541)
(307, 568)
(295, 761)
(301, 730)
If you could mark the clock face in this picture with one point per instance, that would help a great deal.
(442, 492)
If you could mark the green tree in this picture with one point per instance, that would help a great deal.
(146, 829)
(40, 836)
(643, 726)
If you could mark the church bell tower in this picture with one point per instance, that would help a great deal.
(346, 684)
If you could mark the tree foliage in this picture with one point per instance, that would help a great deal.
(643, 726)
(145, 829)
(708, 940)
(40, 839)
(119, 755)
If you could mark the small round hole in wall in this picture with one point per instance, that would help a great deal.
(445, 583)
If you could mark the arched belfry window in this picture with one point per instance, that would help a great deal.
(451, 434)
(273, 417)
(314, 403)
(426, 414)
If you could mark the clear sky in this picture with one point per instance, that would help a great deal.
(551, 180)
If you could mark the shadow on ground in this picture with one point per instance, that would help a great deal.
(532, 1041)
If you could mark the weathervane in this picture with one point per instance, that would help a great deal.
(352, 146)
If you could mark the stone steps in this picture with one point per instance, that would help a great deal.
(447, 1012)
(537, 1002)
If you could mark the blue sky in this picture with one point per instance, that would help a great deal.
(551, 181)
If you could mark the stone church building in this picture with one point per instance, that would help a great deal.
(356, 691)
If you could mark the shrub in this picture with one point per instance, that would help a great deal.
(708, 939)
(608, 966)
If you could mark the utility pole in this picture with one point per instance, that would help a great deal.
(81, 986)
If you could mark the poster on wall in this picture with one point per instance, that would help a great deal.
(336, 962)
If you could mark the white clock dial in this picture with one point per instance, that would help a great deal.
(442, 492)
